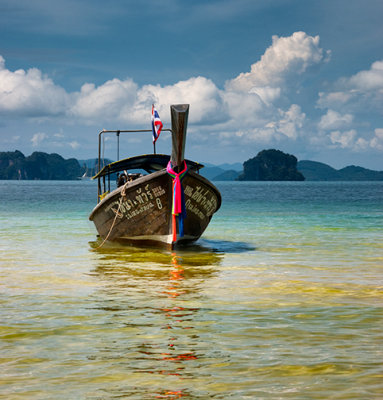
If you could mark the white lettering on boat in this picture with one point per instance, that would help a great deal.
(158, 191)
(194, 209)
(137, 202)
(138, 211)
(201, 201)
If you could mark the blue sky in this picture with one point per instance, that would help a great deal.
(305, 77)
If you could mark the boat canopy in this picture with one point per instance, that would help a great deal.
(148, 162)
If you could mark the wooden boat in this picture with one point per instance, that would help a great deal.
(140, 210)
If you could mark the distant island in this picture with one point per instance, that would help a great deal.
(271, 165)
(274, 165)
(317, 171)
(38, 166)
(267, 165)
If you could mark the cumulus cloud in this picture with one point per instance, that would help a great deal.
(286, 57)
(343, 139)
(29, 93)
(345, 123)
(274, 126)
(200, 92)
(377, 141)
(291, 121)
(247, 109)
(362, 90)
(334, 120)
(124, 101)
(333, 99)
(106, 100)
(351, 140)
(368, 80)
(247, 101)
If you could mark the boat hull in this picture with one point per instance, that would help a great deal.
(140, 212)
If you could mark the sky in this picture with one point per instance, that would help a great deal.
(304, 77)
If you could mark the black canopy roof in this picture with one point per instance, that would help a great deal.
(148, 162)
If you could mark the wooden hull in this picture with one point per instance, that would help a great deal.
(143, 215)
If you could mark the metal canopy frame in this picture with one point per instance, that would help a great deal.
(118, 132)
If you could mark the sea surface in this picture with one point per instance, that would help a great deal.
(282, 298)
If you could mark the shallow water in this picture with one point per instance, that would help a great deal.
(282, 298)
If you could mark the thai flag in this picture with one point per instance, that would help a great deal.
(156, 124)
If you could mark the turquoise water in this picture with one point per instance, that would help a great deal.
(282, 298)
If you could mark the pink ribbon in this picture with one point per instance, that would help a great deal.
(177, 207)
(178, 201)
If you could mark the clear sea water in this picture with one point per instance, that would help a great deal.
(282, 298)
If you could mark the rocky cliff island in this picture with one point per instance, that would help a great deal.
(271, 165)
(38, 166)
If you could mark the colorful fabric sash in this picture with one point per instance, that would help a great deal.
(178, 199)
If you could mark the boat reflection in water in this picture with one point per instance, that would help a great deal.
(151, 307)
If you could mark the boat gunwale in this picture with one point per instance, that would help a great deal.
(141, 180)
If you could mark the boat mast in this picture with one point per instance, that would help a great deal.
(179, 115)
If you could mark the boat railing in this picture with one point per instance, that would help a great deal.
(101, 159)
(101, 144)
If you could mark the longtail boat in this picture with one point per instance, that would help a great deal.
(169, 204)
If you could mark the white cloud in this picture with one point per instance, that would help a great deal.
(29, 93)
(248, 110)
(245, 109)
(291, 121)
(123, 101)
(368, 80)
(364, 90)
(353, 109)
(343, 139)
(74, 144)
(379, 133)
(47, 141)
(201, 93)
(286, 57)
(377, 141)
(334, 120)
(104, 102)
(333, 99)
(276, 125)
(267, 93)
(259, 135)
(250, 115)
(350, 140)
(37, 138)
